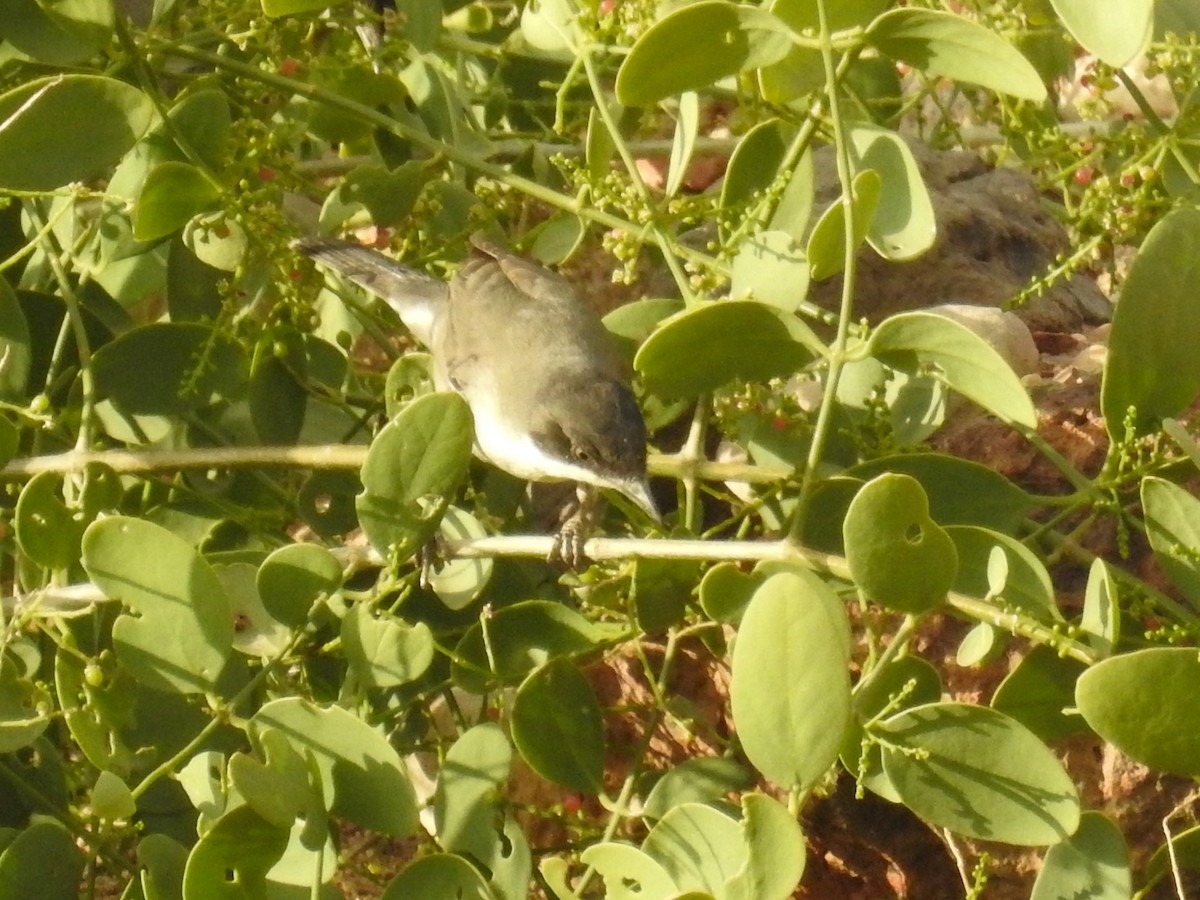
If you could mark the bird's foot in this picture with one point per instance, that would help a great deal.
(577, 524)
(430, 559)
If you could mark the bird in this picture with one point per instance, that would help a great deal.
(549, 392)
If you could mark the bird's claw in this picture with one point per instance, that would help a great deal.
(430, 559)
(567, 550)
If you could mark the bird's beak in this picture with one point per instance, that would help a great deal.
(638, 490)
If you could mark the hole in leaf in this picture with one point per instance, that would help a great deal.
(912, 533)
(231, 876)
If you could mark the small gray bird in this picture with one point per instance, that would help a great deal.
(549, 394)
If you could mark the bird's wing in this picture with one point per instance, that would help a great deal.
(416, 297)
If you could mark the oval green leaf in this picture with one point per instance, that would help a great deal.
(509, 643)
(978, 773)
(709, 346)
(790, 691)
(921, 342)
(1172, 517)
(826, 249)
(700, 847)
(1143, 703)
(41, 123)
(413, 464)
(1027, 584)
(383, 651)
(1092, 863)
(172, 193)
(1117, 36)
(903, 226)
(183, 633)
(362, 777)
(949, 46)
(705, 42)
(775, 850)
(898, 556)
(169, 368)
(1039, 693)
(1152, 362)
(558, 728)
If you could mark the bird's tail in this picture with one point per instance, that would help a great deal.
(414, 295)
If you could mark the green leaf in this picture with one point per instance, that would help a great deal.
(41, 123)
(753, 167)
(771, 268)
(293, 577)
(15, 348)
(362, 776)
(183, 631)
(48, 531)
(826, 249)
(1039, 692)
(193, 288)
(1117, 35)
(903, 226)
(412, 465)
(949, 46)
(726, 591)
(509, 643)
(684, 141)
(700, 779)
(925, 342)
(803, 69)
(281, 789)
(960, 492)
(1093, 863)
(551, 26)
(981, 646)
(169, 368)
(714, 343)
(775, 851)
(700, 847)
(111, 797)
(172, 193)
(978, 773)
(217, 241)
(558, 239)
(60, 34)
(385, 652)
(660, 592)
(439, 875)
(465, 804)
(460, 581)
(790, 691)
(25, 708)
(41, 861)
(389, 196)
(1142, 703)
(1027, 586)
(277, 8)
(898, 556)
(558, 728)
(1101, 621)
(163, 861)
(1173, 526)
(1152, 364)
(202, 119)
(705, 41)
(232, 859)
(628, 873)
(1183, 850)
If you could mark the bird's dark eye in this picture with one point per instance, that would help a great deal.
(581, 454)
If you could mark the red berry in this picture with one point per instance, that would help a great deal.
(288, 66)
(1083, 175)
